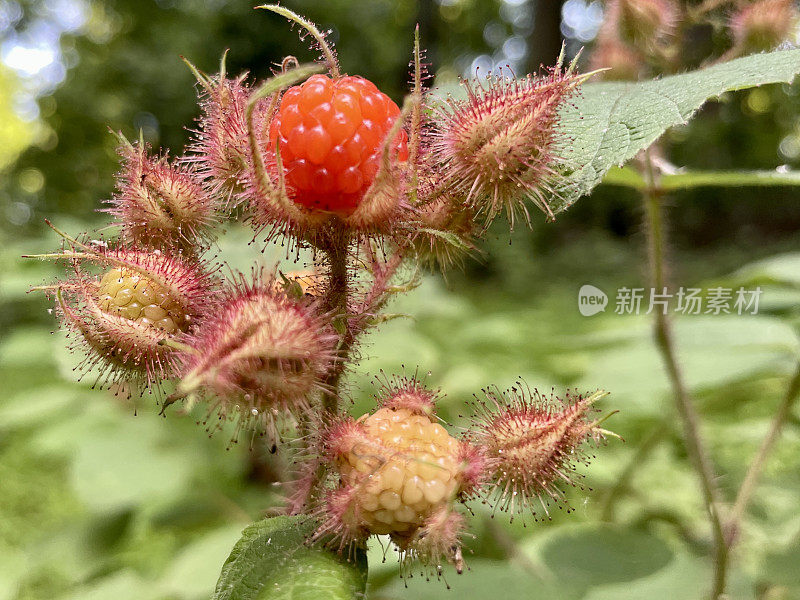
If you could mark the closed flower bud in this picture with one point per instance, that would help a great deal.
(221, 147)
(263, 354)
(499, 146)
(159, 204)
(763, 25)
(530, 443)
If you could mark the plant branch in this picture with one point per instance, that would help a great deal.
(756, 467)
(665, 343)
(336, 300)
(650, 442)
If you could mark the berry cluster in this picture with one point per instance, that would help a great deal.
(330, 137)
(329, 163)
(139, 299)
(407, 465)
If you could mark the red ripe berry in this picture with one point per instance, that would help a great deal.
(330, 134)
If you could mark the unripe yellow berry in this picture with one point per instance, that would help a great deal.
(134, 296)
(406, 466)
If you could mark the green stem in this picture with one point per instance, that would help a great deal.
(693, 441)
(649, 443)
(757, 466)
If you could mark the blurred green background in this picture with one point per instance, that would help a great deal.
(99, 502)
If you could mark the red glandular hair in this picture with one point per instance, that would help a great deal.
(531, 443)
(161, 205)
(133, 348)
(262, 355)
(498, 146)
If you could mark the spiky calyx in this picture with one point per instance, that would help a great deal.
(437, 540)
(263, 353)
(446, 231)
(499, 146)
(408, 393)
(128, 318)
(762, 25)
(158, 204)
(531, 442)
(220, 148)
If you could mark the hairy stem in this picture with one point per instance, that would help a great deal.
(336, 303)
(693, 441)
(757, 466)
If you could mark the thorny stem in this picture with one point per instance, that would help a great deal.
(665, 343)
(757, 465)
(382, 275)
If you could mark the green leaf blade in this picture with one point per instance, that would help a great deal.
(271, 561)
(609, 123)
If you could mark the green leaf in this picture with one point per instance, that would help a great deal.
(597, 554)
(609, 123)
(744, 346)
(272, 561)
(628, 177)
(781, 269)
(192, 573)
(484, 579)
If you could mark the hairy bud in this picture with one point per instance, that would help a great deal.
(221, 148)
(530, 442)
(263, 353)
(763, 25)
(499, 145)
(158, 204)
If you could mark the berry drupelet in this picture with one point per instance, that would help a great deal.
(330, 133)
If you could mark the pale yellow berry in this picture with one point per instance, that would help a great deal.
(405, 467)
(140, 299)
